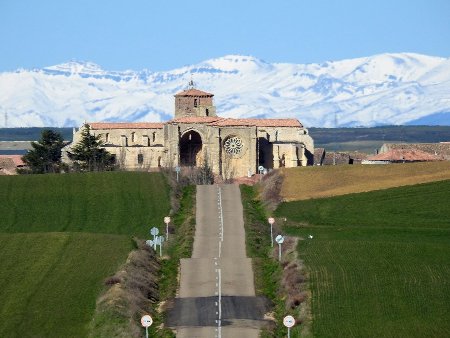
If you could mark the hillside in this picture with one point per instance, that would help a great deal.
(317, 182)
(60, 237)
(378, 262)
(385, 89)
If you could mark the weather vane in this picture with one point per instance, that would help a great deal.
(191, 83)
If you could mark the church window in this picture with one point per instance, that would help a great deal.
(233, 145)
(195, 103)
(140, 158)
(107, 137)
(154, 136)
(207, 112)
(132, 137)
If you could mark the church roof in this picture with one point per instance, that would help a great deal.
(126, 125)
(258, 122)
(229, 122)
(196, 119)
(193, 92)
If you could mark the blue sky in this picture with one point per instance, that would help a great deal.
(165, 34)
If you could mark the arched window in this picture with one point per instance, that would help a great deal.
(132, 137)
(195, 103)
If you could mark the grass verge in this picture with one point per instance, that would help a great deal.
(180, 246)
(267, 271)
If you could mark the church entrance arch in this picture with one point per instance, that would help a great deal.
(190, 148)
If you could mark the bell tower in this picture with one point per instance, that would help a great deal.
(194, 102)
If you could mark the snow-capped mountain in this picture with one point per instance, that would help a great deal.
(383, 89)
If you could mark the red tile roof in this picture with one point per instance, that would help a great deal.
(258, 122)
(194, 92)
(138, 125)
(15, 159)
(408, 155)
(196, 119)
(209, 120)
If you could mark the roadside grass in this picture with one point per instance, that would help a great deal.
(325, 181)
(180, 246)
(126, 203)
(267, 272)
(378, 262)
(49, 282)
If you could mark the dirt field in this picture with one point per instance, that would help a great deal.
(316, 182)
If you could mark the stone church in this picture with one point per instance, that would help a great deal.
(232, 147)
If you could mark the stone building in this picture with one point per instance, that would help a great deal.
(232, 147)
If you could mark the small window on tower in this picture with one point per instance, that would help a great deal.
(207, 112)
(195, 103)
(140, 158)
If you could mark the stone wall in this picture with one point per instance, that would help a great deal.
(185, 106)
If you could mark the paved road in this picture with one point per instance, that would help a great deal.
(217, 295)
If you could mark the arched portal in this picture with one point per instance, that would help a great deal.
(190, 147)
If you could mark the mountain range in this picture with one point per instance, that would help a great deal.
(385, 89)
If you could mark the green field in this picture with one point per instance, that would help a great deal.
(111, 202)
(49, 281)
(60, 237)
(379, 262)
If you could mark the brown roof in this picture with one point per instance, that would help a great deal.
(196, 119)
(258, 122)
(439, 149)
(194, 92)
(409, 155)
(138, 125)
(9, 163)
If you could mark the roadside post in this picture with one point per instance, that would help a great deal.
(154, 231)
(289, 322)
(261, 170)
(279, 239)
(160, 240)
(167, 221)
(146, 322)
(177, 169)
(271, 221)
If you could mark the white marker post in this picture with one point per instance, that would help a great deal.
(271, 221)
(146, 322)
(289, 322)
(177, 169)
(279, 239)
(167, 221)
(154, 231)
(261, 170)
(160, 240)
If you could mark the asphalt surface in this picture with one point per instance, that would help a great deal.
(217, 295)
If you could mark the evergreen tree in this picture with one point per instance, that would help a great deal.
(88, 155)
(45, 157)
(205, 174)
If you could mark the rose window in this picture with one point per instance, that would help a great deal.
(233, 145)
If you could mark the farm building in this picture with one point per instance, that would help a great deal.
(10, 163)
(441, 149)
(402, 156)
